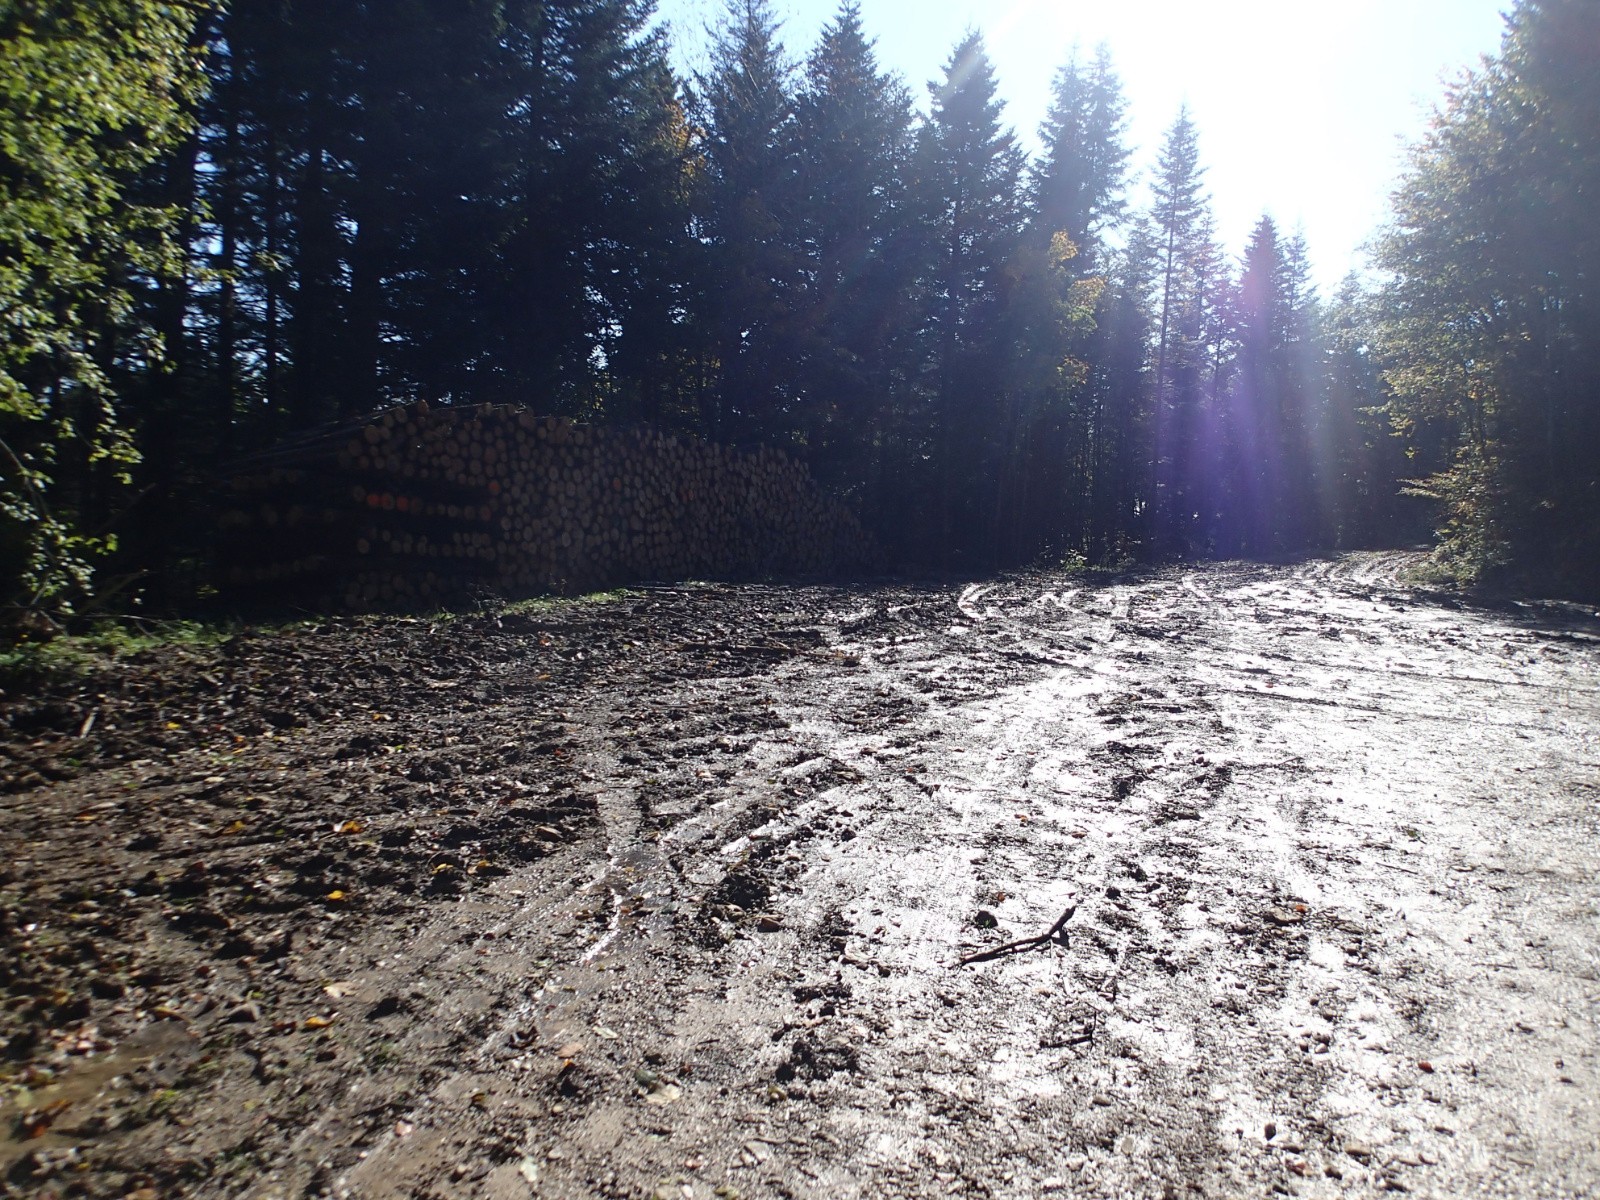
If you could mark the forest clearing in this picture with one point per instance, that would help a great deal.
(668, 894)
(1015, 760)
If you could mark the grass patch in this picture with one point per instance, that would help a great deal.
(103, 645)
(544, 604)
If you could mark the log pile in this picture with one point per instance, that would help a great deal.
(424, 506)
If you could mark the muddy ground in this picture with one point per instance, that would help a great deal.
(669, 895)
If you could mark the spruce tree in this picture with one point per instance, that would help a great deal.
(1188, 344)
(1077, 188)
(856, 224)
(972, 170)
(747, 208)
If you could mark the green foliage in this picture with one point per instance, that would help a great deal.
(101, 647)
(91, 93)
(1490, 321)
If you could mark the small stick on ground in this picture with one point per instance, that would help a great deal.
(1022, 944)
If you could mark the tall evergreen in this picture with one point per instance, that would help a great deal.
(1076, 198)
(856, 225)
(971, 169)
(1188, 347)
(598, 144)
(746, 208)
(1077, 188)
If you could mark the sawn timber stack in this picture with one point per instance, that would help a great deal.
(426, 505)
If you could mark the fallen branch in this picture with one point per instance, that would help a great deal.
(1022, 944)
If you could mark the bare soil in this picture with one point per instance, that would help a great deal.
(1237, 880)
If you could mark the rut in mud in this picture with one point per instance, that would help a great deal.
(670, 896)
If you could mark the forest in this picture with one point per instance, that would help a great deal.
(225, 225)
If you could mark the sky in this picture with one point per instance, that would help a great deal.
(1303, 107)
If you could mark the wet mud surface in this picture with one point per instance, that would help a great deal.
(1225, 881)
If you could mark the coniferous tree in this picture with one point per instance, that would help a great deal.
(972, 170)
(746, 210)
(1365, 457)
(599, 142)
(1075, 198)
(857, 232)
(1078, 186)
(1188, 347)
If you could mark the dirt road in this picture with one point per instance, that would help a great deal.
(670, 897)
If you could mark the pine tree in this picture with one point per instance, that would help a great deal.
(1078, 186)
(972, 170)
(1189, 349)
(856, 224)
(746, 206)
(1075, 198)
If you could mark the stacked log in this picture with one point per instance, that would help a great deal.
(423, 506)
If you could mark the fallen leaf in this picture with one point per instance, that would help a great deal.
(350, 827)
(319, 1022)
(37, 1123)
(667, 1093)
(340, 990)
(610, 1035)
(336, 895)
(1426, 1067)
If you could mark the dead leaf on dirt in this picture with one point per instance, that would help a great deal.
(319, 1022)
(337, 895)
(340, 990)
(236, 827)
(1425, 1067)
(350, 827)
(664, 1094)
(37, 1123)
(610, 1035)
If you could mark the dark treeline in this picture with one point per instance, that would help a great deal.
(995, 357)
